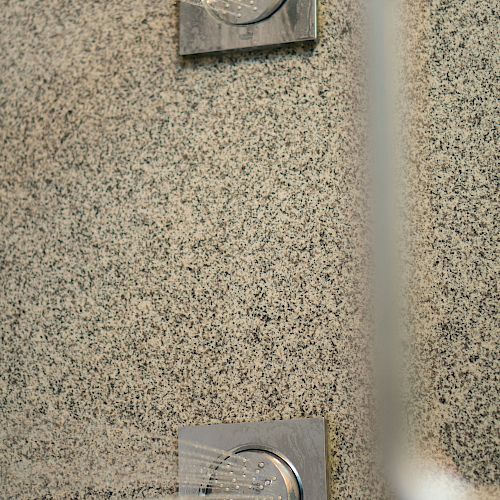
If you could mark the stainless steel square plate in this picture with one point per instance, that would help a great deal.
(280, 460)
(219, 25)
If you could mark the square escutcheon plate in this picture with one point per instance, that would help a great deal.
(221, 25)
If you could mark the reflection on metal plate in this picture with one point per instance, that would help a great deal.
(269, 476)
(242, 11)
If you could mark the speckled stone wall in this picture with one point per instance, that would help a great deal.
(181, 243)
(455, 199)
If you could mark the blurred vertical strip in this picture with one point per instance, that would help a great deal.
(384, 37)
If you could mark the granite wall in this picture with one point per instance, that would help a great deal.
(455, 267)
(181, 242)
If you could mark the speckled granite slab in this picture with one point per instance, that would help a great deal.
(181, 243)
(455, 281)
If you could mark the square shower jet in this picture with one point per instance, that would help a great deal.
(218, 25)
(280, 460)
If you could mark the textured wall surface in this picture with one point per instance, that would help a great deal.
(181, 242)
(456, 198)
